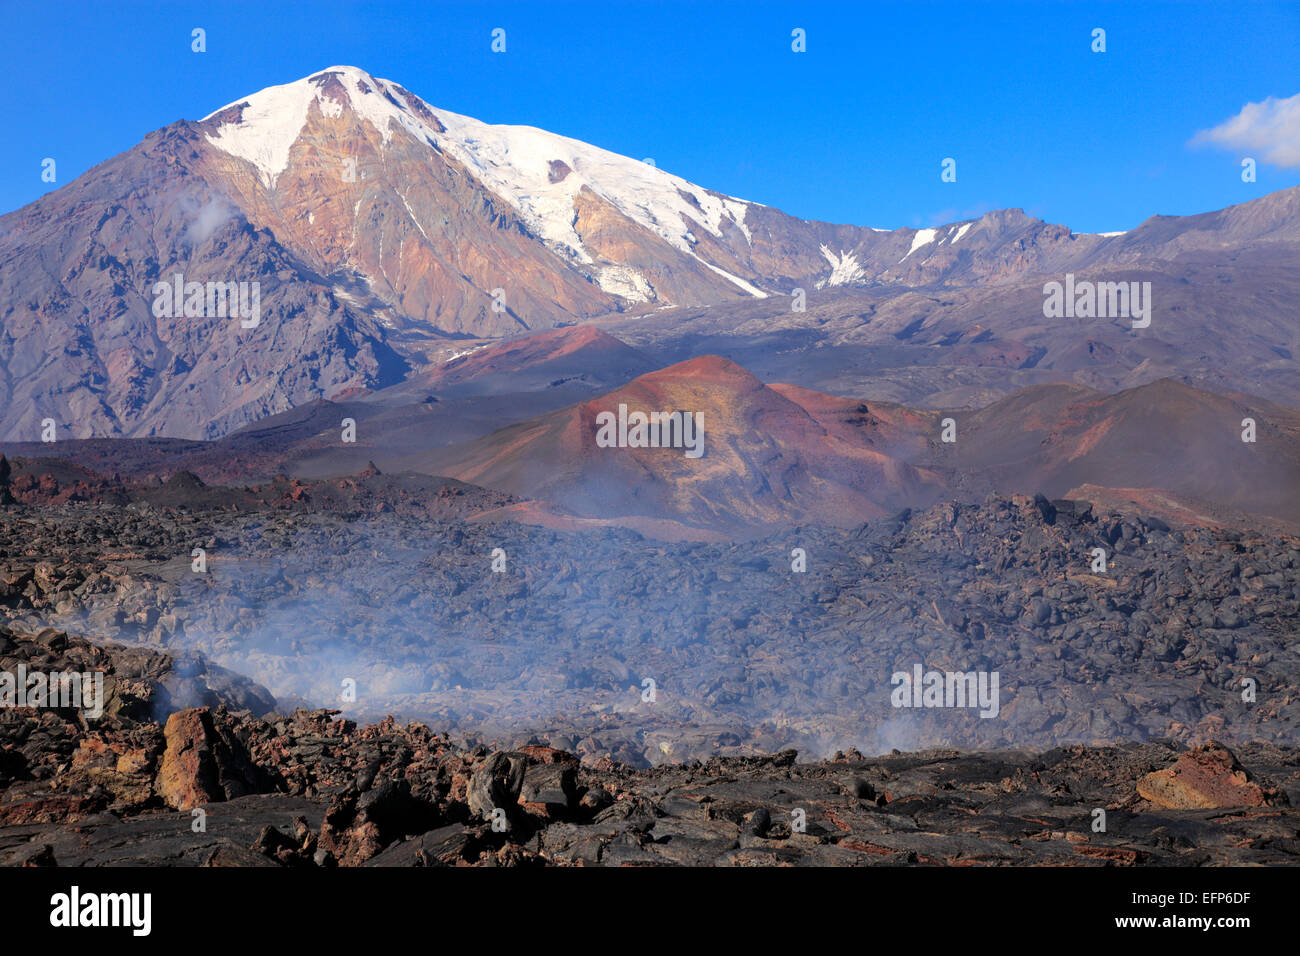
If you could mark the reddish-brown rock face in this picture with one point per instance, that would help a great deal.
(1206, 778)
(407, 223)
(758, 453)
(188, 774)
(201, 764)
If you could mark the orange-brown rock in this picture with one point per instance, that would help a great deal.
(1206, 778)
(542, 754)
(51, 809)
(123, 772)
(188, 776)
(200, 764)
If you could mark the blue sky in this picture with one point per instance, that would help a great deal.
(854, 130)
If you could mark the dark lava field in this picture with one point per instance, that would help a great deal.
(605, 643)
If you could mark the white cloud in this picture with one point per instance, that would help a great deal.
(1270, 129)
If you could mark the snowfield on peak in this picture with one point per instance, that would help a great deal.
(923, 237)
(521, 164)
(515, 162)
(271, 122)
(844, 268)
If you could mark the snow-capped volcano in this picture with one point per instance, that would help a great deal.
(467, 227)
(382, 233)
(544, 177)
(539, 173)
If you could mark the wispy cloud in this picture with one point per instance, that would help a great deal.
(1271, 128)
(953, 214)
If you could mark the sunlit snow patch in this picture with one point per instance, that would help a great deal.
(923, 237)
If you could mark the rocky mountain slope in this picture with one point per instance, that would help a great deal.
(763, 457)
(779, 454)
(1220, 321)
(768, 454)
(383, 232)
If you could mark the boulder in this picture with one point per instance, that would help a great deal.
(496, 782)
(1206, 778)
(201, 765)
